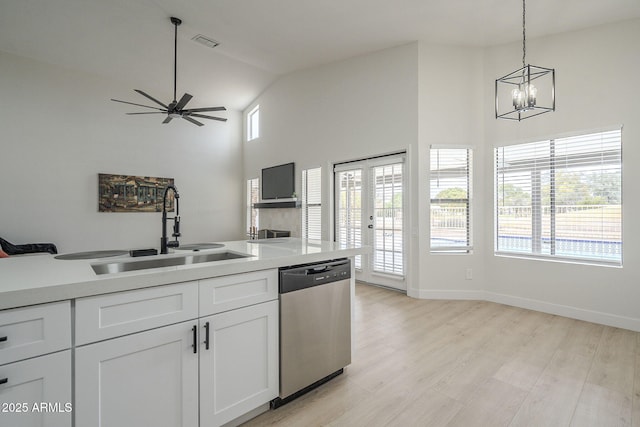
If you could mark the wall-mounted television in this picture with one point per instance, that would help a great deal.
(278, 182)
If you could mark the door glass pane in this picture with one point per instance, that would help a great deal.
(387, 218)
(349, 221)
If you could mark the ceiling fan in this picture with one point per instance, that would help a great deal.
(176, 109)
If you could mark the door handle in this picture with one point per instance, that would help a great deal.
(206, 335)
(3, 339)
(370, 226)
(195, 338)
(4, 380)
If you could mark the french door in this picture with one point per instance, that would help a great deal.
(369, 210)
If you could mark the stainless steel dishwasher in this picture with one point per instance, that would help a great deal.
(315, 326)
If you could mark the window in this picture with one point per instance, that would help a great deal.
(312, 203)
(253, 196)
(253, 123)
(450, 188)
(561, 198)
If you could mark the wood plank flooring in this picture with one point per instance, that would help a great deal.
(473, 363)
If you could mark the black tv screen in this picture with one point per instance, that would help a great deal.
(278, 182)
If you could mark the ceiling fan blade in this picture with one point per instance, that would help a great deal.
(195, 110)
(202, 116)
(167, 120)
(183, 101)
(151, 98)
(195, 122)
(139, 105)
(150, 112)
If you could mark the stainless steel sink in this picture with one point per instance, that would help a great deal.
(199, 246)
(122, 266)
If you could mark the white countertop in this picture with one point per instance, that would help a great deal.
(35, 279)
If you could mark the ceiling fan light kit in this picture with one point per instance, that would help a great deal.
(175, 109)
(521, 98)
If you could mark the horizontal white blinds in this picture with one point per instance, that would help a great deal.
(349, 209)
(561, 198)
(450, 208)
(312, 203)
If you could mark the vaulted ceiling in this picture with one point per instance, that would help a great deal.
(132, 40)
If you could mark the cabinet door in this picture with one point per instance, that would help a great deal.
(239, 371)
(145, 379)
(37, 392)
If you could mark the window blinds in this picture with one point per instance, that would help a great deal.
(561, 198)
(312, 203)
(450, 209)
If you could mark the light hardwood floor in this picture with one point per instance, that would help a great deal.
(473, 363)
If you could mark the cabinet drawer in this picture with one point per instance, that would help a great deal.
(35, 330)
(230, 292)
(108, 316)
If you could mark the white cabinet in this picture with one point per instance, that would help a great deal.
(145, 379)
(113, 315)
(239, 370)
(226, 293)
(144, 358)
(36, 391)
(34, 331)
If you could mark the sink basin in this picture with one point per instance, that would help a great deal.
(199, 246)
(122, 266)
(90, 255)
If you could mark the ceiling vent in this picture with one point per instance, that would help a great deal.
(204, 40)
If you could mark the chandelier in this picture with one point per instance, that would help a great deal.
(517, 97)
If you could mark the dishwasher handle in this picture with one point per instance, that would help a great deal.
(327, 267)
(309, 275)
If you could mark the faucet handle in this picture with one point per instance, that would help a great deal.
(176, 227)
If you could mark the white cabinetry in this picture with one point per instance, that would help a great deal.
(144, 379)
(145, 358)
(35, 387)
(239, 371)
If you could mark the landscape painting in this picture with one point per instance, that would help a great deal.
(128, 193)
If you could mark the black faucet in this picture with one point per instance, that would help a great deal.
(164, 241)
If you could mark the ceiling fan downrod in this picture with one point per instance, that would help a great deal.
(175, 21)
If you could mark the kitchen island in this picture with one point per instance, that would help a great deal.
(120, 341)
(41, 278)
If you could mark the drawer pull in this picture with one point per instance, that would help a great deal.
(4, 380)
(3, 339)
(206, 335)
(195, 338)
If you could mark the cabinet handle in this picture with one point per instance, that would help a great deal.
(206, 335)
(4, 380)
(3, 339)
(195, 338)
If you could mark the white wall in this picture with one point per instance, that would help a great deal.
(347, 110)
(59, 130)
(596, 87)
(367, 105)
(451, 82)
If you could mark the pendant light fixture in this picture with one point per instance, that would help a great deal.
(528, 91)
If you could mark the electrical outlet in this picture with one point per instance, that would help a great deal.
(469, 273)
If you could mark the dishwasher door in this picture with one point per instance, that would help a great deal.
(315, 327)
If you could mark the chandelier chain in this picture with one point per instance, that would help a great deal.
(524, 35)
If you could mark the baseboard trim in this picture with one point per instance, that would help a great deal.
(566, 311)
(599, 317)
